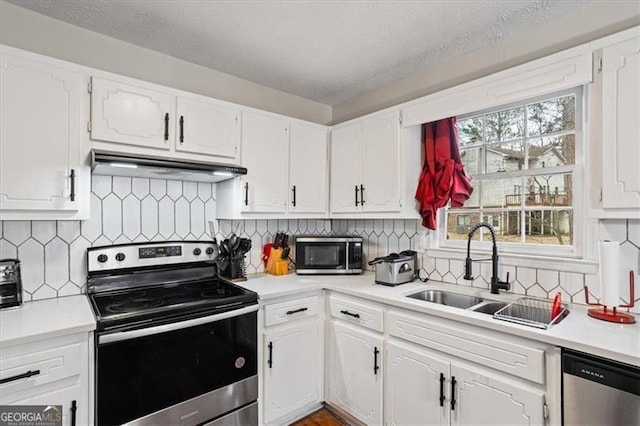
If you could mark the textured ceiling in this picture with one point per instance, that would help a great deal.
(327, 51)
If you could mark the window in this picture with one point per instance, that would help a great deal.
(522, 159)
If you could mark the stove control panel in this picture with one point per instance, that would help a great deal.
(149, 254)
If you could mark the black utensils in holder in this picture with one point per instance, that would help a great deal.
(233, 250)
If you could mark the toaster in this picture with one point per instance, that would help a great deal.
(10, 283)
(395, 268)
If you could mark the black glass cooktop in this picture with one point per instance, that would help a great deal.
(121, 307)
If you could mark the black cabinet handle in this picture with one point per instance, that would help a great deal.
(270, 361)
(26, 375)
(72, 176)
(74, 409)
(293, 202)
(246, 193)
(181, 129)
(375, 360)
(453, 393)
(356, 195)
(361, 195)
(350, 314)
(296, 311)
(166, 126)
(442, 390)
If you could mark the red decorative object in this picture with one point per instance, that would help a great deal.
(606, 313)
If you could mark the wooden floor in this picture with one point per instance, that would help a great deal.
(321, 417)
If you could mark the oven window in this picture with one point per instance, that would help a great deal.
(140, 376)
(323, 256)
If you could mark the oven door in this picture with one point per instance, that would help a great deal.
(182, 373)
(321, 257)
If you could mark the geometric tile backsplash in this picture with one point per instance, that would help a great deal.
(53, 253)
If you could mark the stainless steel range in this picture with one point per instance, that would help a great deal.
(175, 344)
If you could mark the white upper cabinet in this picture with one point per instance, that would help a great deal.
(207, 127)
(40, 116)
(265, 151)
(308, 168)
(380, 190)
(621, 125)
(365, 164)
(133, 115)
(346, 145)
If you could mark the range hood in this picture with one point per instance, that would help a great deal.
(144, 166)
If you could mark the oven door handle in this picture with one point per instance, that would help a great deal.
(127, 335)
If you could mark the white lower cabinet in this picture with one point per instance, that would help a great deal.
(291, 367)
(355, 371)
(416, 387)
(49, 372)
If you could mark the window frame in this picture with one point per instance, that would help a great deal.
(439, 240)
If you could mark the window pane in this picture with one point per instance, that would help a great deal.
(549, 227)
(551, 116)
(472, 160)
(470, 131)
(500, 193)
(505, 157)
(552, 151)
(505, 125)
(458, 225)
(506, 224)
(549, 190)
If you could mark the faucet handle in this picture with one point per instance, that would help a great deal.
(506, 285)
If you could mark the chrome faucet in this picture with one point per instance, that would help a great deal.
(496, 283)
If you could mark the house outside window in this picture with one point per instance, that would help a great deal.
(522, 158)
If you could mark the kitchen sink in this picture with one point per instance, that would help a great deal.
(490, 307)
(456, 300)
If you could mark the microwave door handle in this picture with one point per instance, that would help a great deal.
(347, 254)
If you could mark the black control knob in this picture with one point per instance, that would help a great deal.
(209, 250)
(197, 251)
(102, 258)
(120, 257)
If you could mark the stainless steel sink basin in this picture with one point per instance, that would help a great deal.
(490, 308)
(456, 300)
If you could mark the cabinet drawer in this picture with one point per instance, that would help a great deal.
(358, 312)
(290, 310)
(507, 354)
(41, 367)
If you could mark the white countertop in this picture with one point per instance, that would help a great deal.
(45, 319)
(577, 331)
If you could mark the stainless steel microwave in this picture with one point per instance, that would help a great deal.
(328, 254)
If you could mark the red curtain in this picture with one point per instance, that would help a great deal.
(443, 177)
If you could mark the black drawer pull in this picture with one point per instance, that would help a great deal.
(442, 390)
(181, 129)
(293, 202)
(362, 195)
(350, 314)
(356, 195)
(375, 360)
(74, 409)
(26, 375)
(296, 311)
(453, 393)
(270, 360)
(246, 193)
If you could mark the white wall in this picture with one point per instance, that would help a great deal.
(28, 30)
(593, 21)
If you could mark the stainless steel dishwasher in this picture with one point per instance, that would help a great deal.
(598, 391)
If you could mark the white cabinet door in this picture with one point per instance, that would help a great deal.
(621, 125)
(484, 399)
(355, 384)
(207, 127)
(380, 164)
(292, 369)
(345, 168)
(265, 150)
(308, 168)
(40, 134)
(416, 387)
(132, 115)
(63, 395)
